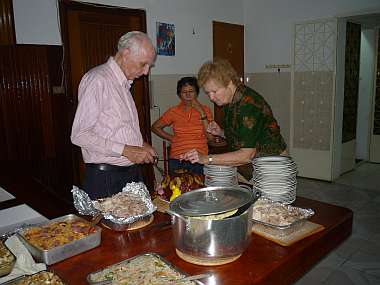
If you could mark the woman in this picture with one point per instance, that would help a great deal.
(249, 126)
(189, 120)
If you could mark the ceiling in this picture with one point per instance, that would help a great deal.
(367, 20)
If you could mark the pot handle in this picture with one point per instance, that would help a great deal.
(245, 186)
(257, 193)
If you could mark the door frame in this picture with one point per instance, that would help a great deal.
(373, 155)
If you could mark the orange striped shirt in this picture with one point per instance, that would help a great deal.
(188, 129)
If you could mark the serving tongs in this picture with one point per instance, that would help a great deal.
(189, 278)
(169, 281)
(96, 219)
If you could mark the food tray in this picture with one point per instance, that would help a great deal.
(42, 277)
(283, 230)
(7, 260)
(59, 253)
(155, 269)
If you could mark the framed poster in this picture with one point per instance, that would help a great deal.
(165, 39)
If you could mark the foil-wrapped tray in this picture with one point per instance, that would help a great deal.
(42, 277)
(61, 252)
(86, 206)
(150, 267)
(7, 260)
(298, 217)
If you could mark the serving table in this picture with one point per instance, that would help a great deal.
(264, 262)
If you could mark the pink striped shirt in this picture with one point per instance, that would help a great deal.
(106, 118)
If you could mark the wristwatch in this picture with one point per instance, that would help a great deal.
(210, 159)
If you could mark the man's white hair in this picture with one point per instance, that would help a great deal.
(133, 41)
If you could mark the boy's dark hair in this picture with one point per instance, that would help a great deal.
(189, 80)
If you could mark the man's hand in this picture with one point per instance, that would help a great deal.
(140, 154)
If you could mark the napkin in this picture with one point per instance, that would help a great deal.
(25, 264)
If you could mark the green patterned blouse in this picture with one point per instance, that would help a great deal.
(249, 123)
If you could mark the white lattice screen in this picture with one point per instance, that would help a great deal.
(313, 84)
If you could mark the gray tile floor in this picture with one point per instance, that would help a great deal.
(357, 260)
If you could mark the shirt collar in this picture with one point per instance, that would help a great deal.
(119, 73)
(238, 95)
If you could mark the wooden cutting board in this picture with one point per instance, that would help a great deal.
(308, 229)
(134, 226)
(206, 261)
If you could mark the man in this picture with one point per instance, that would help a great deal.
(106, 124)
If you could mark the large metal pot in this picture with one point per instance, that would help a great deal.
(206, 232)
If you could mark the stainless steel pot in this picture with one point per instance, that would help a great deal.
(208, 237)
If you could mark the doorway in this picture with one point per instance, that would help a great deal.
(228, 43)
(367, 142)
(90, 34)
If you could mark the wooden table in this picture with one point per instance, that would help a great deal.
(264, 262)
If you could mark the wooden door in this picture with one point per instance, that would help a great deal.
(351, 95)
(228, 43)
(90, 34)
(7, 26)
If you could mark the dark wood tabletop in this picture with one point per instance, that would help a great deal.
(264, 262)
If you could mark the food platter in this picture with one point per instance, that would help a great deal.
(7, 260)
(148, 268)
(62, 247)
(42, 277)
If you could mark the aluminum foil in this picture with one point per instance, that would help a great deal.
(85, 206)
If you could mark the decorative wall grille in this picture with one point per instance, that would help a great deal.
(313, 84)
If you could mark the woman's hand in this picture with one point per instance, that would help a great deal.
(198, 106)
(194, 157)
(214, 129)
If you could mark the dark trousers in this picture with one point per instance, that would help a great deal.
(175, 164)
(104, 180)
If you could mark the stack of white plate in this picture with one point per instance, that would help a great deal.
(275, 177)
(220, 175)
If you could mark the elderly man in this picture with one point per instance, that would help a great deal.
(106, 124)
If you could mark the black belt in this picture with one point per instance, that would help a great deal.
(109, 167)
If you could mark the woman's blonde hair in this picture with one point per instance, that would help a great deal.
(219, 70)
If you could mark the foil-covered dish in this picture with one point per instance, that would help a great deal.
(121, 211)
(277, 218)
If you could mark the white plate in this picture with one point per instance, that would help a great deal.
(273, 158)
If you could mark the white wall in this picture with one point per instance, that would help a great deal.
(367, 66)
(269, 23)
(268, 36)
(36, 22)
